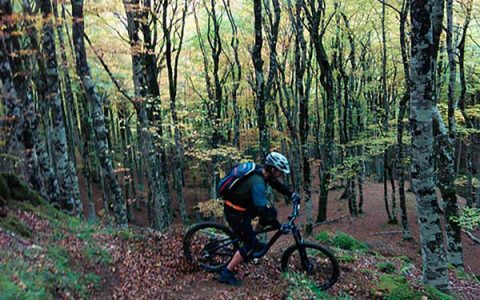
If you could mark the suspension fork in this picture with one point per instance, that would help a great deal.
(301, 249)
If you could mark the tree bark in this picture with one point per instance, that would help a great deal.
(66, 175)
(98, 118)
(315, 11)
(400, 164)
(158, 206)
(432, 244)
(260, 91)
(172, 69)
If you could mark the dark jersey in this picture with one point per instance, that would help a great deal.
(250, 192)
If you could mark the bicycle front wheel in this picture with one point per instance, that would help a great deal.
(209, 245)
(313, 261)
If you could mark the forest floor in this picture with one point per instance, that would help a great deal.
(65, 258)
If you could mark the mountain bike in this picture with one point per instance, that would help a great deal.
(211, 246)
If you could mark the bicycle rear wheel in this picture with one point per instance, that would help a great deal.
(209, 245)
(312, 261)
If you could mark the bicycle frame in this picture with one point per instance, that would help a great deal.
(295, 232)
(292, 228)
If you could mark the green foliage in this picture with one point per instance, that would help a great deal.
(404, 258)
(221, 152)
(386, 267)
(15, 225)
(97, 255)
(469, 218)
(396, 287)
(434, 294)
(347, 242)
(19, 281)
(45, 211)
(13, 187)
(39, 273)
(462, 275)
(371, 147)
(346, 258)
(125, 234)
(323, 237)
(60, 257)
(301, 287)
(406, 267)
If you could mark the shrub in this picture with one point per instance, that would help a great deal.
(13, 224)
(396, 287)
(323, 237)
(346, 258)
(97, 255)
(386, 267)
(434, 294)
(301, 287)
(346, 242)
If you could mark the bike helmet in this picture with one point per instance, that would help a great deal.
(278, 161)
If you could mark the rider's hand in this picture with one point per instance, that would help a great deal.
(268, 216)
(295, 197)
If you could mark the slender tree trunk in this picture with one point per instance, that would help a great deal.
(400, 164)
(172, 69)
(314, 13)
(101, 144)
(260, 93)
(236, 74)
(432, 244)
(87, 133)
(446, 155)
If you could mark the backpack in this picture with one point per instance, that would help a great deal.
(236, 174)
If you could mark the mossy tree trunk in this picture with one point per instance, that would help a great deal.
(98, 117)
(11, 131)
(435, 272)
(447, 140)
(65, 171)
(158, 206)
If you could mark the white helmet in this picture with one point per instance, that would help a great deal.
(278, 161)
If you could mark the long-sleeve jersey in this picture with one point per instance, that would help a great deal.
(250, 192)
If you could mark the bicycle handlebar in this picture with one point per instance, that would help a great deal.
(292, 217)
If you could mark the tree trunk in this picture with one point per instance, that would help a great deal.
(66, 174)
(400, 164)
(236, 74)
(172, 69)
(447, 157)
(432, 245)
(159, 207)
(98, 117)
(260, 93)
(314, 13)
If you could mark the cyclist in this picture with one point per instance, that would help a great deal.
(248, 200)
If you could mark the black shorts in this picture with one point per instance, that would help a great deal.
(241, 224)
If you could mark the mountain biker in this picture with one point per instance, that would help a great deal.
(248, 200)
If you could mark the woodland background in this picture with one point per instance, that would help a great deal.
(131, 111)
